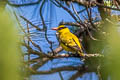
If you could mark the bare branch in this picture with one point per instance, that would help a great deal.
(118, 1)
(57, 50)
(70, 23)
(75, 55)
(77, 74)
(29, 39)
(103, 6)
(90, 14)
(67, 10)
(76, 12)
(60, 75)
(93, 3)
(45, 27)
(55, 3)
(31, 23)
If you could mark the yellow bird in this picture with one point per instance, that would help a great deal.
(68, 40)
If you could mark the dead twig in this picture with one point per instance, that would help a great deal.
(76, 12)
(28, 37)
(45, 27)
(31, 23)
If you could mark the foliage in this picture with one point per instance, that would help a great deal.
(9, 49)
(111, 62)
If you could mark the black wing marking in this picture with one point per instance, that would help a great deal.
(77, 47)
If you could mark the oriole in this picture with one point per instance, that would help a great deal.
(68, 40)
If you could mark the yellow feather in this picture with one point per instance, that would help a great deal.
(69, 41)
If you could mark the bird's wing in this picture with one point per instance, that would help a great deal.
(71, 41)
(76, 47)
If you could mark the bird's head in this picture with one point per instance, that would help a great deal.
(61, 29)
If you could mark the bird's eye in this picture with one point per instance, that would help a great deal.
(61, 28)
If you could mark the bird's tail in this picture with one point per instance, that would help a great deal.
(81, 53)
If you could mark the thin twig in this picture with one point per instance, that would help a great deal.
(37, 46)
(93, 3)
(31, 23)
(66, 9)
(45, 27)
(118, 1)
(99, 74)
(81, 11)
(61, 75)
(75, 12)
(28, 42)
(77, 74)
(102, 5)
(89, 33)
(70, 23)
(64, 55)
(55, 3)
(90, 14)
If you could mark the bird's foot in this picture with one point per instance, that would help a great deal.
(82, 55)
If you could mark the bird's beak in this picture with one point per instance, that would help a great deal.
(55, 28)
